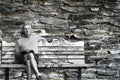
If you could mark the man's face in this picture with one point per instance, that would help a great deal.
(27, 29)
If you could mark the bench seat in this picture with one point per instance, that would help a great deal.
(47, 65)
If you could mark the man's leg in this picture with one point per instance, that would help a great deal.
(33, 62)
(29, 71)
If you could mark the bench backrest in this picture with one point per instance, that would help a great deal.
(58, 51)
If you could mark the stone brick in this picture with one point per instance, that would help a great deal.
(53, 21)
(72, 9)
(76, 4)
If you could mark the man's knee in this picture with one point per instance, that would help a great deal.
(31, 55)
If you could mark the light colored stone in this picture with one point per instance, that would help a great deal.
(53, 21)
(72, 9)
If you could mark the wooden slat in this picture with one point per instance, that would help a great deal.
(48, 53)
(63, 48)
(68, 56)
(48, 46)
(8, 61)
(7, 53)
(12, 58)
(78, 61)
(56, 41)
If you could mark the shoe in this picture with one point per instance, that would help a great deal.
(39, 78)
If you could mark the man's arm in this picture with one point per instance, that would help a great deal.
(17, 48)
(41, 39)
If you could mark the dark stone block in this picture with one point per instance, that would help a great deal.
(93, 2)
(74, 4)
(82, 22)
(89, 33)
(75, 0)
(5, 9)
(111, 0)
(81, 16)
(12, 22)
(25, 2)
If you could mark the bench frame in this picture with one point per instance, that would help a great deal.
(7, 67)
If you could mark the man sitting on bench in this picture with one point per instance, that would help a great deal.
(26, 49)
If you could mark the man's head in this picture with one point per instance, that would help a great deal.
(26, 30)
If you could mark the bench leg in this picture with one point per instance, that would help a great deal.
(29, 73)
(79, 73)
(65, 78)
(6, 73)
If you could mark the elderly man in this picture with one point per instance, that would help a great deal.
(26, 49)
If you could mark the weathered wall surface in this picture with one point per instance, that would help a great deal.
(94, 21)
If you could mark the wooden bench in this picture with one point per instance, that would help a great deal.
(59, 53)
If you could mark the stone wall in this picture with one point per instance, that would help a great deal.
(94, 21)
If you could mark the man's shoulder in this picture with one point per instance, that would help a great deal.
(19, 40)
(37, 35)
(34, 34)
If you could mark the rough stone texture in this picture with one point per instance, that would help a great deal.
(94, 21)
